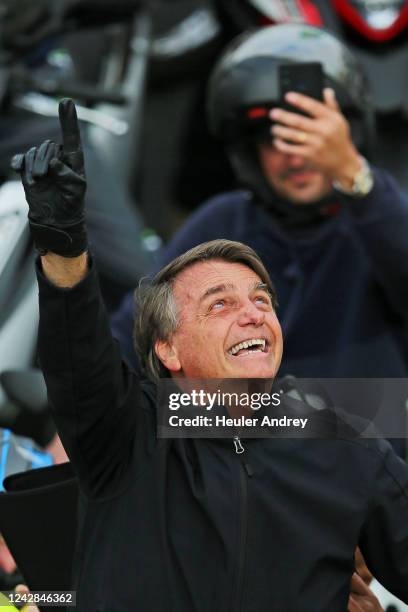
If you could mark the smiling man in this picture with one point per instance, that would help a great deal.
(188, 524)
(195, 525)
(229, 325)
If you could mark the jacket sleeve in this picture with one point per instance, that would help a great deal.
(102, 415)
(381, 222)
(384, 536)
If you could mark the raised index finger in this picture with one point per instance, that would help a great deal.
(71, 138)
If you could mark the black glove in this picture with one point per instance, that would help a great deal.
(54, 183)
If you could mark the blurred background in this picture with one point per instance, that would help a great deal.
(138, 71)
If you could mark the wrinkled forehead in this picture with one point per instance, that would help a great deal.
(198, 280)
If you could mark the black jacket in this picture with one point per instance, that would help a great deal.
(188, 525)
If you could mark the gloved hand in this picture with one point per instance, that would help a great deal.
(54, 183)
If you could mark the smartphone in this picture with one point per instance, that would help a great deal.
(305, 78)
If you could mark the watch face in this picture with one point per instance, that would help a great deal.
(363, 182)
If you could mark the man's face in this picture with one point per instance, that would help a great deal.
(291, 176)
(221, 305)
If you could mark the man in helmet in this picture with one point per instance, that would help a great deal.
(331, 228)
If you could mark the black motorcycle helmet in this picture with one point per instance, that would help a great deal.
(244, 85)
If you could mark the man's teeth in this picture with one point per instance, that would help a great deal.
(244, 345)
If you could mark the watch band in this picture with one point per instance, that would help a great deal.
(362, 184)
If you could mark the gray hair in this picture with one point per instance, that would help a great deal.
(157, 317)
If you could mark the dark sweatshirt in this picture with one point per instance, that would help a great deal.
(188, 525)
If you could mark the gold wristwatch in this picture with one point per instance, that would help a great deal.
(362, 184)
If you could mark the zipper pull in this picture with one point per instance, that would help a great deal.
(239, 449)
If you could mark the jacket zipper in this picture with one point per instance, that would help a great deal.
(245, 472)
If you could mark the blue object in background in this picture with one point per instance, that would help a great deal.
(18, 454)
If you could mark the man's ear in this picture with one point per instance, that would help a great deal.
(167, 355)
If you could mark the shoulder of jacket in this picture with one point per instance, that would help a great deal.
(228, 198)
(382, 452)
